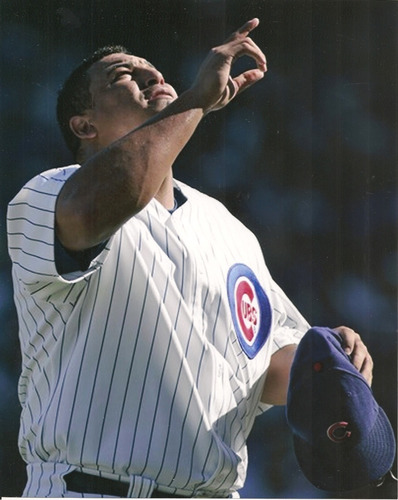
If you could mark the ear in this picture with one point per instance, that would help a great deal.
(82, 127)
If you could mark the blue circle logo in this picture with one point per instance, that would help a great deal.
(250, 309)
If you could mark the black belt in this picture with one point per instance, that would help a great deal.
(88, 483)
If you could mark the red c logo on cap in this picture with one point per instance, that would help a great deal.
(335, 436)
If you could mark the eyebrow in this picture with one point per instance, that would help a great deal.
(125, 64)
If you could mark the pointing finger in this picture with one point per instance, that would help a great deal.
(248, 26)
(244, 30)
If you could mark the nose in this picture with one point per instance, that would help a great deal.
(149, 77)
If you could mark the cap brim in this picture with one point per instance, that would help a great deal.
(344, 468)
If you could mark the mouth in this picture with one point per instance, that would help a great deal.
(159, 94)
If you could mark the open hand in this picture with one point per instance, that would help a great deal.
(214, 87)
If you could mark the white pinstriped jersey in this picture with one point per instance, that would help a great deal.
(134, 369)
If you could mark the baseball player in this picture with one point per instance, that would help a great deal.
(151, 331)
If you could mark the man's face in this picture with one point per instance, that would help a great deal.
(126, 91)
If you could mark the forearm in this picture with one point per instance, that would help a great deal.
(120, 180)
(277, 381)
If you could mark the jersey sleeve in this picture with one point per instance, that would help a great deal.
(290, 325)
(31, 232)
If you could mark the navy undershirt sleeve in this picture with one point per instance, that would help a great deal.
(67, 261)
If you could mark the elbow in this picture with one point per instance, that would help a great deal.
(70, 231)
(74, 226)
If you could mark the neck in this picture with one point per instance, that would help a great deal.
(165, 195)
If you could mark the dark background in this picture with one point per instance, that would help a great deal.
(307, 159)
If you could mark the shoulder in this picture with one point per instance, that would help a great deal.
(30, 214)
(47, 183)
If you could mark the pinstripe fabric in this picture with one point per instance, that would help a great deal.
(133, 368)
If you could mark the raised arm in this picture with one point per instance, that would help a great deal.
(125, 174)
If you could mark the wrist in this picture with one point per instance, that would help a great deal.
(196, 100)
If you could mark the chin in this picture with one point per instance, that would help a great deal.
(160, 104)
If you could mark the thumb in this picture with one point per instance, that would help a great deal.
(246, 79)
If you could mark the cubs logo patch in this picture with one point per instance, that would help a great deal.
(250, 309)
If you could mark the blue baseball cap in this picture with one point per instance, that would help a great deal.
(343, 439)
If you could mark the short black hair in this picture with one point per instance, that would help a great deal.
(74, 97)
